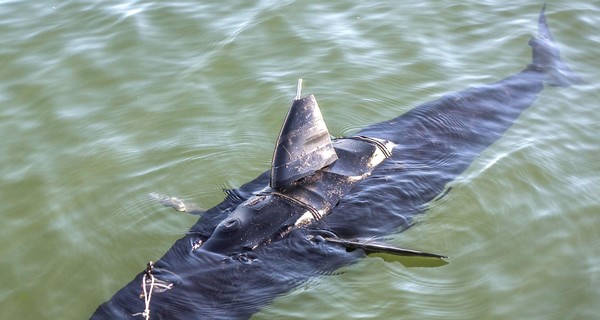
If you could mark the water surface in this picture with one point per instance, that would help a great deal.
(103, 102)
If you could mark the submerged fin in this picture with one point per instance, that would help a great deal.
(176, 203)
(546, 57)
(303, 146)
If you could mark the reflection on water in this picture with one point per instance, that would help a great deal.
(103, 103)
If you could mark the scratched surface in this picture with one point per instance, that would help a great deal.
(104, 102)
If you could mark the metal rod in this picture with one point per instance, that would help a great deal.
(298, 90)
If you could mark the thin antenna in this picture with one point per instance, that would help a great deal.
(298, 90)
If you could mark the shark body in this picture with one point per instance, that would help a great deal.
(309, 214)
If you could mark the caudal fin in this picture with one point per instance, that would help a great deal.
(546, 57)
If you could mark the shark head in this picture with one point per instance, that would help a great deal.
(257, 221)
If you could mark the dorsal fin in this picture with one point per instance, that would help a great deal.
(303, 145)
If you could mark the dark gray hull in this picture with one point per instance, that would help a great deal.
(436, 141)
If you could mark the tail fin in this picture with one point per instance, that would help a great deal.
(546, 57)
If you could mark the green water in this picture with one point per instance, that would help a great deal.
(103, 102)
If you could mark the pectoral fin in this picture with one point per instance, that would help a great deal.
(408, 257)
(176, 203)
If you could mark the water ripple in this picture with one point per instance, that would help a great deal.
(105, 102)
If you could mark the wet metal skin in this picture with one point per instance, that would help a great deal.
(271, 234)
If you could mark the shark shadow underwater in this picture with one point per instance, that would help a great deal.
(314, 210)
